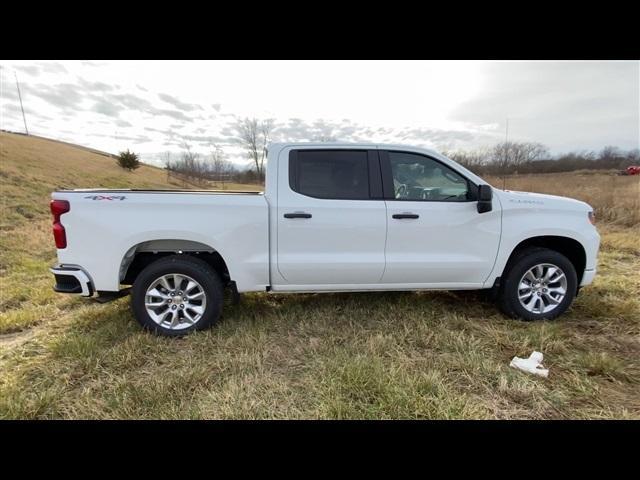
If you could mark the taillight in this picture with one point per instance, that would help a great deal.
(58, 207)
(592, 217)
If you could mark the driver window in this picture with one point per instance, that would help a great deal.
(416, 177)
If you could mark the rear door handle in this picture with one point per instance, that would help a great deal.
(405, 215)
(297, 215)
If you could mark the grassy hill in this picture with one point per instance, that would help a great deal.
(349, 355)
(31, 168)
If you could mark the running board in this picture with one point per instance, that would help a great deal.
(105, 297)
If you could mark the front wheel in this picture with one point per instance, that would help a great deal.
(540, 284)
(177, 295)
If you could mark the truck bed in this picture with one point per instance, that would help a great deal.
(104, 227)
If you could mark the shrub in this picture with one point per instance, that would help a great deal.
(128, 160)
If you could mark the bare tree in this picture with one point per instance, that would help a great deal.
(527, 152)
(511, 155)
(221, 168)
(473, 159)
(520, 157)
(165, 158)
(254, 135)
(190, 160)
(500, 156)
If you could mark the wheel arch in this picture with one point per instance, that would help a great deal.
(567, 246)
(142, 254)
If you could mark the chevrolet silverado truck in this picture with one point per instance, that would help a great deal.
(332, 218)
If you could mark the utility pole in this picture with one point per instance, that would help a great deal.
(506, 156)
(21, 107)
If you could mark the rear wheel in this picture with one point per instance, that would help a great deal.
(539, 284)
(177, 295)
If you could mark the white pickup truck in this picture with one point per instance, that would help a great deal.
(333, 217)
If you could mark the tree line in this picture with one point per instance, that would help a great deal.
(504, 158)
(507, 158)
(251, 133)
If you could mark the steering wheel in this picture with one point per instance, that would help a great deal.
(402, 191)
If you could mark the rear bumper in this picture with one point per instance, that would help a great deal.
(72, 280)
(587, 277)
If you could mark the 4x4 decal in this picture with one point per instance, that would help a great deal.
(106, 197)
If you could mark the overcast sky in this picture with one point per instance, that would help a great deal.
(154, 106)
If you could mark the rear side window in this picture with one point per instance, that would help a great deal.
(330, 174)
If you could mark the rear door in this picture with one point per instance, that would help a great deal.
(435, 234)
(331, 217)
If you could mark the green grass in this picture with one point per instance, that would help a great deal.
(349, 355)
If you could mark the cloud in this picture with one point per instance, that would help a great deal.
(167, 132)
(113, 104)
(443, 139)
(228, 130)
(62, 95)
(11, 107)
(28, 69)
(177, 103)
(151, 129)
(204, 139)
(52, 67)
(98, 97)
(13, 110)
(94, 86)
(131, 102)
(565, 105)
(93, 64)
(298, 130)
(8, 93)
(174, 114)
(107, 108)
(561, 104)
(135, 139)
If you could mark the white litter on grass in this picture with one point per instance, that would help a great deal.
(533, 364)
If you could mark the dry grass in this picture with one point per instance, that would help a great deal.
(615, 198)
(364, 355)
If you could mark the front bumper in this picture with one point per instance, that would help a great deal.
(72, 280)
(587, 277)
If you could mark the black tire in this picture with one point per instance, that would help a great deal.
(199, 271)
(518, 266)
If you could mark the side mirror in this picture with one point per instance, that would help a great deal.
(485, 194)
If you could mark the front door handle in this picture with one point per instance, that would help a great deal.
(405, 215)
(297, 215)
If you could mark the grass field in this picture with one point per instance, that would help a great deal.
(359, 355)
(616, 198)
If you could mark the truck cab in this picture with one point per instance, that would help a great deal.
(360, 218)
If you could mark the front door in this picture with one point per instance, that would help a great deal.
(435, 234)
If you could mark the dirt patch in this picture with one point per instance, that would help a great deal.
(10, 340)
